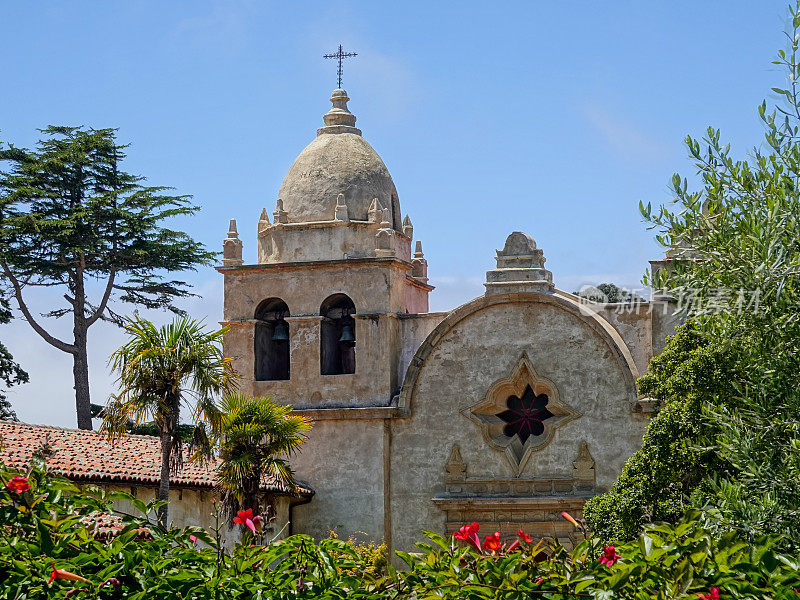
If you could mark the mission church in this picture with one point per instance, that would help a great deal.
(507, 410)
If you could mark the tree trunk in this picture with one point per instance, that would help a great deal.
(80, 364)
(80, 372)
(163, 486)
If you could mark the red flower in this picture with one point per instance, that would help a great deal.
(609, 556)
(713, 594)
(193, 538)
(59, 574)
(246, 518)
(524, 536)
(18, 484)
(469, 534)
(492, 542)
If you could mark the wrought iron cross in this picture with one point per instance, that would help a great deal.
(340, 55)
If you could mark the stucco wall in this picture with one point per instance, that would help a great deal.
(414, 329)
(325, 241)
(634, 325)
(480, 349)
(344, 460)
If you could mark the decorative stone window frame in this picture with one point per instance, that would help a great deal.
(484, 413)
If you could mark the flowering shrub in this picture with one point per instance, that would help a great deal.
(48, 550)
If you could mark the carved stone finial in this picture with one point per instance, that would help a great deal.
(232, 247)
(340, 212)
(280, 215)
(339, 119)
(384, 239)
(386, 218)
(583, 468)
(375, 211)
(263, 221)
(419, 266)
(520, 268)
(455, 469)
(408, 227)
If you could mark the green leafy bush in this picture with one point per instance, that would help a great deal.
(661, 480)
(727, 439)
(48, 550)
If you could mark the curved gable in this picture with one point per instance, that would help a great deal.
(582, 312)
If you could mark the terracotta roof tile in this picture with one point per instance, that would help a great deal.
(106, 526)
(81, 455)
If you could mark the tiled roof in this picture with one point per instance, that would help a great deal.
(81, 455)
(106, 526)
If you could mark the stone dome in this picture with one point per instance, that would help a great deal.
(338, 161)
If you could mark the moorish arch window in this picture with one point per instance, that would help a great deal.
(520, 413)
(337, 336)
(271, 341)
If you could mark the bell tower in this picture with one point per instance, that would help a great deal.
(320, 320)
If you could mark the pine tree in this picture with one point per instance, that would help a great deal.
(70, 216)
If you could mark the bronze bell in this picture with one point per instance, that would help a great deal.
(347, 338)
(280, 332)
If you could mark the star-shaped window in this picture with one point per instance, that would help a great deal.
(520, 413)
(525, 415)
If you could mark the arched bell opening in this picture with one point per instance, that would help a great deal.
(271, 341)
(337, 336)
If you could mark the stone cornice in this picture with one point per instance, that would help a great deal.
(417, 283)
(324, 224)
(341, 262)
(346, 413)
(495, 502)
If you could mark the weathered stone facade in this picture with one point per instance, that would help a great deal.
(506, 411)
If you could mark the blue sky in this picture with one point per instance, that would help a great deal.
(552, 118)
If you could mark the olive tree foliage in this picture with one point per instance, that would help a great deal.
(735, 260)
(71, 219)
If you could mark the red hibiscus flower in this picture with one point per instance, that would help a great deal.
(492, 542)
(59, 574)
(469, 534)
(523, 537)
(713, 594)
(18, 484)
(246, 519)
(609, 556)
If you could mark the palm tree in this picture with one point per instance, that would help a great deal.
(254, 439)
(160, 370)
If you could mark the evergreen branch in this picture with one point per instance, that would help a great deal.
(50, 339)
(104, 301)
